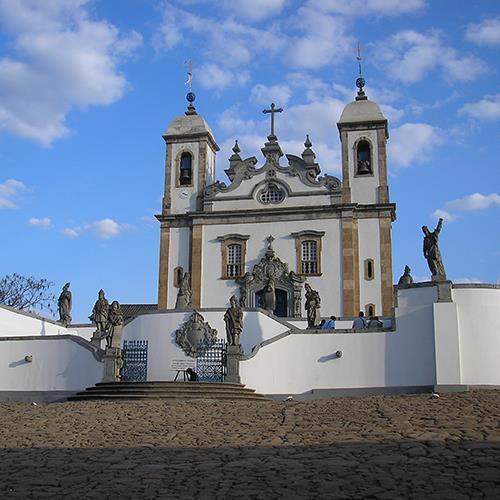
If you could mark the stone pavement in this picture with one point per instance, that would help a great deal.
(373, 447)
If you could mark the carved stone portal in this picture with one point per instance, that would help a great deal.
(272, 269)
(195, 335)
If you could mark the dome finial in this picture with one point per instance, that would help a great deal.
(236, 148)
(191, 96)
(360, 81)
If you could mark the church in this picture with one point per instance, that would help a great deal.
(275, 233)
(334, 234)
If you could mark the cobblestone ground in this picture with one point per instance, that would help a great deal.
(372, 447)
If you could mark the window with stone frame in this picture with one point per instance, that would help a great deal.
(308, 247)
(233, 251)
(369, 269)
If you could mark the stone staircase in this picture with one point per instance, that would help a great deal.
(122, 391)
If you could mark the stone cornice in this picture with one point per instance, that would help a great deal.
(176, 139)
(280, 214)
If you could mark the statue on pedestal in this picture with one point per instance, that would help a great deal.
(64, 304)
(114, 324)
(406, 278)
(233, 318)
(313, 302)
(99, 314)
(184, 294)
(432, 253)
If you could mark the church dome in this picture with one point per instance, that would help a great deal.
(192, 124)
(361, 111)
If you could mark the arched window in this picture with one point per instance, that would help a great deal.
(309, 257)
(369, 269)
(186, 170)
(370, 310)
(233, 260)
(364, 161)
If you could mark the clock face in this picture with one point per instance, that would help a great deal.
(183, 194)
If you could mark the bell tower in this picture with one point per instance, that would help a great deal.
(189, 168)
(367, 215)
(363, 135)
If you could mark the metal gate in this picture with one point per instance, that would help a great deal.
(135, 361)
(211, 364)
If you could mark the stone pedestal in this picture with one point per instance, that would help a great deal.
(97, 338)
(116, 339)
(444, 290)
(113, 363)
(234, 354)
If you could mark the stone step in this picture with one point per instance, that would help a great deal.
(168, 390)
(169, 396)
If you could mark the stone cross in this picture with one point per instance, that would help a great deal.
(273, 110)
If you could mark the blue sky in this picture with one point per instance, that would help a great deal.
(88, 87)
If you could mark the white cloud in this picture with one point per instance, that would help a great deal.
(104, 229)
(292, 125)
(264, 94)
(469, 203)
(324, 40)
(412, 143)
(71, 232)
(60, 59)
(475, 201)
(368, 7)
(225, 42)
(254, 10)
(488, 108)
(213, 76)
(43, 222)
(409, 56)
(485, 33)
(315, 89)
(443, 214)
(9, 190)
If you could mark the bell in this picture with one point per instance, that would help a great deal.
(185, 176)
(364, 167)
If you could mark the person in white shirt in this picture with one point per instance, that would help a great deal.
(359, 323)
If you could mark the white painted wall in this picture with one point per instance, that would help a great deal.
(216, 291)
(479, 334)
(14, 323)
(299, 363)
(179, 255)
(59, 364)
(184, 197)
(159, 330)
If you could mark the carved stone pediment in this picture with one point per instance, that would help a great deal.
(272, 268)
(195, 335)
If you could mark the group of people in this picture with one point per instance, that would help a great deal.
(358, 324)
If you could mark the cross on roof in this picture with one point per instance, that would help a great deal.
(273, 110)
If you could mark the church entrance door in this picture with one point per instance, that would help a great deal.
(281, 302)
(281, 308)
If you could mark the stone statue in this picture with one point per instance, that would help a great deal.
(64, 304)
(115, 320)
(184, 294)
(233, 318)
(269, 296)
(431, 251)
(406, 278)
(313, 302)
(99, 314)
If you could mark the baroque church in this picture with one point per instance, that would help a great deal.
(278, 222)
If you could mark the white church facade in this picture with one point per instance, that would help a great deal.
(333, 234)
(274, 227)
